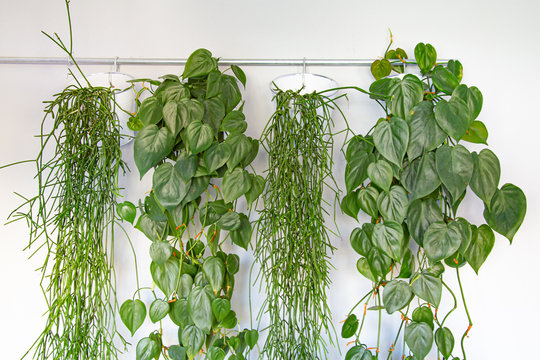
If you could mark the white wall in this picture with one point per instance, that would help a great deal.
(496, 41)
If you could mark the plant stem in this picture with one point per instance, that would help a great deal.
(467, 312)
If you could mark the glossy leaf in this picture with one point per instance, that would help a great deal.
(256, 189)
(391, 139)
(426, 56)
(179, 313)
(229, 221)
(169, 187)
(394, 204)
(358, 353)
(481, 245)
(382, 88)
(445, 341)
(397, 294)
(420, 177)
(230, 93)
(160, 251)
(234, 122)
(444, 80)
(366, 199)
(441, 240)
(380, 172)
(193, 340)
(428, 287)
(239, 73)
(199, 63)
(349, 326)
(216, 156)
(126, 211)
(189, 111)
(349, 205)
(251, 338)
(197, 187)
(214, 271)
(452, 117)
(158, 310)
(166, 276)
(186, 165)
(200, 309)
(235, 184)
(361, 239)
(221, 308)
(476, 133)
(407, 265)
(214, 112)
(421, 214)
(147, 349)
(405, 94)
(151, 145)
(471, 97)
(242, 235)
(199, 137)
(215, 353)
(455, 67)
(378, 262)
(240, 148)
(232, 263)
(362, 265)
(186, 283)
(152, 229)
(177, 352)
(486, 175)
(356, 170)
(230, 320)
(151, 111)
(388, 237)
(455, 167)
(423, 314)
(381, 68)
(133, 313)
(424, 132)
(419, 338)
(506, 211)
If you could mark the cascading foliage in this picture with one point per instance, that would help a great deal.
(293, 244)
(191, 132)
(410, 174)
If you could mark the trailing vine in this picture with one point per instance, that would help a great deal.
(191, 132)
(409, 173)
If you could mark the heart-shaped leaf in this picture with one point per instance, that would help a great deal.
(381, 68)
(160, 251)
(394, 204)
(132, 313)
(420, 177)
(240, 148)
(349, 326)
(452, 117)
(177, 352)
(216, 156)
(256, 189)
(423, 314)
(221, 308)
(506, 211)
(476, 133)
(234, 122)
(444, 79)
(127, 211)
(424, 132)
(186, 165)
(189, 110)
(380, 172)
(251, 337)
(166, 276)
(214, 112)
(242, 235)
(367, 200)
(214, 272)
(397, 294)
(215, 353)
(235, 184)
(198, 136)
(239, 73)
(445, 341)
(169, 186)
(358, 353)
(199, 63)
(378, 262)
(441, 240)
(152, 145)
(388, 237)
(420, 215)
(356, 170)
(200, 309)
(158, 310)
(455, 67)
(147, 349)
(362, 265)
(419, 338)
(151, 111)
(471, 97)
(391, 139)
(407, 265)
(405, 94)
(186, 283)
(193, 340)
(486, 175)
(425, 56)
(455, 167)
(482, 242)
(428, 287)
(361, 239)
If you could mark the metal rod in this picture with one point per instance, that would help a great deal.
(116, 61)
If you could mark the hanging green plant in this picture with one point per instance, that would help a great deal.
(191, 132)
(293, 245)
(410, 173)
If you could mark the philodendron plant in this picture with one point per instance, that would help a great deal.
(191, 131)
(409, 173)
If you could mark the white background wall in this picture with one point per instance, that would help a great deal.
(496, 41)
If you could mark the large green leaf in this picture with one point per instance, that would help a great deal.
(425, 56)
(186, 283)
(127, 211)
(358, 352)
(240, 148)
(445, 341)
(424, 132)
(388, 237)
(507, 210)
(441, 240)
(349, 205)
(366, 199)
(198, 136)
(169, 187)
(381, 68)
(481, 244)
(421, 214)
(152, 229)
(230, 93)
(378, 262)
(214, 111)
(214, 271)
(198, 186)
(381, 87)
(444, 79)
(213, 84)
(349, 326)
(381, 173)
(455, 167)
(186, 165)
(428, 287)
(391, 139)
(166, 276)
(172, 120)
(221, 308)
(362, 265)
(452, 117)
(251, 338)
(420, 177)
(476, 133)
(172, 91)
(179, 313)
(419, 338)
(234, 122)
(252, 154)
(235, 184)
(177, 352)
(199, 63)
(132, 313)
(242, 235)
(397, 294)
(486, 175)
(471, 97)
(151, 145)
(407, 264)
(229, 221)
(256, 189)
(147, 349)
(158, 310)
(160, 251)
(423, 314)
(200, 309)
(356, 170)
(405, 94)
(216, 156)
(239, 73)
(189, 110)
(151, 111)
(394, 204)
(455, 67)
(193, 340)
(361, 239)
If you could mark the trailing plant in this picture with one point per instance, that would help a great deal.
(293, 245)
(72, 218)
(409, 173)
(191, 132)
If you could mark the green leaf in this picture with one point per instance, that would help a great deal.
(356, 170)
(172, 120)
(397, 294)
(158, 310)
(151, 146)
(230, 93)
(394, 204)
(172, 91)
(421, 214)
(476, 133)
(240, 148)
(229, 221)
(235, 184)
(361, 239)
(193, 340)
(358, 352)
(366, 199)
(177, 352)
(465, 230)
(214, 271)
(214, 111)
(420, 177)
(425, 56)
(198, 186)
(419, 338)
(506, 211)
(471, 97)
(200, 309)
(189, 111)
(423, 314)
(221, 308)
(213, 84)
(242, 235)
(349, 326)
(215, 353)
(388, 237)
(186, 165)
(230, 320)
(152, 229)
(445, 341)
(444, 79)
(380, 172)
(425, 133)
(199, 137)
(252, 154)
(166, 276)
(251, 337)
(160, 251)
(256, 189)
(486, 175)
(151, 111)
(127, 211)
(428, 287)
(391, 139)
(378, 262)
(452, 117)
(199, 63)
(213, 210)
(154, 209)
(179, 313)
(381, 68)
(169, 187)
(407, 265)
(441, 240)
(216, 156)
(455, 167)
(132, 313)
(481, 245)
(382, 88)
(404, 95)
(232, 263)
(147, 349)
(362, 265)
(349, 205)
(186, 283)
(455, 67)
(239, 73)
(234, 122)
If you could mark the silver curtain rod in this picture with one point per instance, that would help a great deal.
(173, 62)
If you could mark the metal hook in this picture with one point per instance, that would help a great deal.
(115, 65)
(304, 72)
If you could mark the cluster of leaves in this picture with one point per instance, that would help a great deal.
(191, 131)
(410, 174)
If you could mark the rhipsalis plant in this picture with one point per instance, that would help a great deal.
(191, 133)
(293, 246)
(410, 173)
